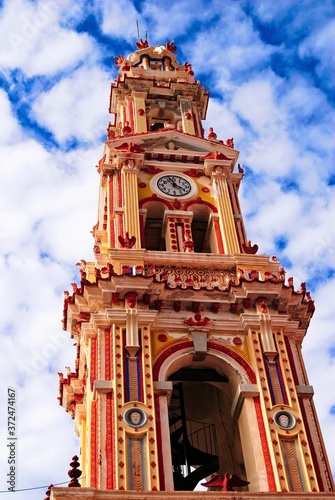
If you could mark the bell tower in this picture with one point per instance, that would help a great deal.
(188, 341)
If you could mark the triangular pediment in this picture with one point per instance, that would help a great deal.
(173, 143)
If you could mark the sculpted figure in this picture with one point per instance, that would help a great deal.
(188, 245)
(283, 420)
(135, 417)
(211, 134)
(131, 299)
(262, 306)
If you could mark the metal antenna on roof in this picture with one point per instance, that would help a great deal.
(138, 30)
(146, 35)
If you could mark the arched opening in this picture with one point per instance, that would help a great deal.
(160, 116)
(153, 239)
(200, 232)
(204, 437)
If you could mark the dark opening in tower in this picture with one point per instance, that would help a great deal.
(153, 239)
(204, 438)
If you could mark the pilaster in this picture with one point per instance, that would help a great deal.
(131, 208)
(140, 117)
(227, 223)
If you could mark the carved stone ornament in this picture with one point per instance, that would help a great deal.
(218, 169)
(284, 419)
(135, 417)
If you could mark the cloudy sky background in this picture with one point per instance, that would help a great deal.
(270, 69)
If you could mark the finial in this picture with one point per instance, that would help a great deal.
(240, 169)
(247, 248)
(118, 60)
(74, 473)
(170, 47)
(48, 492)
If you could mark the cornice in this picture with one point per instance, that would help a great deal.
(94, 494)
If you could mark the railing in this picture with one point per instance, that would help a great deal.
(203, 438)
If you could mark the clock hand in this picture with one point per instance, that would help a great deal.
(171, 181)
(174, 184)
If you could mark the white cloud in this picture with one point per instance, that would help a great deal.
(254, 102)
(271, 152)
(228, 126)
(229, 50)
(268, 11)
(33, 39)
(74, 107)
(320, 45)
(60, 51)
(169, 19)
(119, 18)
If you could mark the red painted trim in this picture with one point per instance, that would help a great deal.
(131, 116)
(233, 354)
(218, 236)
(199, 201)
(154, 197)
(265, 446)
(94, 445)
(211, 345)
(171, 157)
(93, 372)
(107, 354)
(166, 354)
(110, 448)
(111, 212)
(119, 185)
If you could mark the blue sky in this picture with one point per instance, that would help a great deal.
(270, 69)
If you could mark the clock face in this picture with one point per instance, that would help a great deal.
(174, 185)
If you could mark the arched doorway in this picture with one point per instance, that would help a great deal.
(204, 436)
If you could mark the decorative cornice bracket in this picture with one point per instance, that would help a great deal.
(102, 387)
(243, 391)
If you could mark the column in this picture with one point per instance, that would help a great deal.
(227, 224)
(131, 210)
